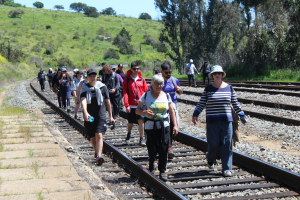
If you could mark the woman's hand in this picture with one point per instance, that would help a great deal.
(195, 120)
(148, 112)
(175, 130)
(112, 91)
(86, 117)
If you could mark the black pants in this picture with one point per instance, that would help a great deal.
(204, 76)
(114, 100)
(160, 148)
(50, 83)
(58, 99)
(192, 77)
(42, 83)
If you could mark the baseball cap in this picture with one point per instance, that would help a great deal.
(75, 70)
(59, 69)
(79, 72)
(120, 65)
(91, 71)
(191, 60)
(42, 69)
(63, 69)
(50, 69)
(114, 67)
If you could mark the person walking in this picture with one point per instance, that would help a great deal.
(190, 71)
(50, 76)
(95, 100)
(157, 108)
(65, 82)
(121, 71)
(111, 80)
(42, 79)
(120, 101)
(134, 86)
(74, 87)
(205, 71)
(217, 98)
(56, 86)
(172, 87)
(101, 72)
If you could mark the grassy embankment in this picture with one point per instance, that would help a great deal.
(87, 50)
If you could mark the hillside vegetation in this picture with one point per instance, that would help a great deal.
(73, 35)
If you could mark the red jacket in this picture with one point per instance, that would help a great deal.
(133, 90)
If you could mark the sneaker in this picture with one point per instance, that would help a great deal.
(163, 176)
(76, 117)
(128, 136)
(95, 155)
(142, 142)
(171, 154)
(210, 165)
(152, 171)
(99, 161)
(227, 174)
(68, 109)
(195, 85)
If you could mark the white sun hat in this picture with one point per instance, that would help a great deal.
(216, 68)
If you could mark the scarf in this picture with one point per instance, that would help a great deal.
(89, 90)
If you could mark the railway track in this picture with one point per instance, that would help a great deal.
(188, 176)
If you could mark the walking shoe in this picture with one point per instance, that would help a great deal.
(152, 171)
(151, 168)
(95, 155)
(210, 165)
(163, 176)
(142, 142)
(68, 109)
(195, 85)
(76, 117)
(227, 174)
(99, 161)
(171, 154)
(128, 136)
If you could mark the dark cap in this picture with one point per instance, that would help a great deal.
(91, 71)
(42, 69)
(205, 62)
(63, 69)
(79, 72)
(120, 65)
(59, 70)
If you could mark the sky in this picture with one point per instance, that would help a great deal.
(131, 8)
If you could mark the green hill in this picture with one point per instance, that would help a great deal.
(85, 51)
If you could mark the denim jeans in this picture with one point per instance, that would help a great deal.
(219, 136)
(192, 77)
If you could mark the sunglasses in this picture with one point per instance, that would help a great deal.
(170, 72)
(113, 69)
(218, 73)
(136, 69)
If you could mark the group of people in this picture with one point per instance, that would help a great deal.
(190, 69)
(153, 108)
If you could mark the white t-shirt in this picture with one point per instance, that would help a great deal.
(135, 79)
(159, 107)
(191, 68)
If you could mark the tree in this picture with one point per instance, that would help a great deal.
(77, 6)
(122, 39)
(38, 4)
(16, 13)
(59, 7)
(108, 11)
(145, 16)
(91, 11)
(3, 1)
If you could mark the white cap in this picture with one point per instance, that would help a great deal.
(75, 70)
(50, 69)
(191, 60)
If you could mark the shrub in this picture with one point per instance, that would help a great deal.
(127, 50)
(150, 40)
(38, 4)
(37, 61)
(76, 36)
(111, 54)
(48, 27)
(160, 47)
(108, 11)
(100, 31)
(59, 7)
(90, 11)
(16, 13)
(15, 23)
(145, 16)
(12, 4)
(36, 48)
(65, 61)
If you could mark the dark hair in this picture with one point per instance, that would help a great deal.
(134, 63)
(103, 64)
(166, 65)
(157, 71)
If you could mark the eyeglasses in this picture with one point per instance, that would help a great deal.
(218, 73)
(170, 72)
(113, 69)
(136, 69)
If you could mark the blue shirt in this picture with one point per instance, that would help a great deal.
(169, 88)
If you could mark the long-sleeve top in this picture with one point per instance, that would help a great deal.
(217, 102)
(205, 69)
(112, 82)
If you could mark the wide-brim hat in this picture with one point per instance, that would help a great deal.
(216, 68)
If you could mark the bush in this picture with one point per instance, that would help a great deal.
(59, 7)
(145, 16)
(12, 4)
(48, 27)
(100, 31)
(38, 4)
(108, 11)
(37, 61)
(15, 23)
(76, 36)
(160, 47)
(150, 40)
(16, 13)
(65, 61)
(90, 11)
(111, 54)
(127, 50)
(36, 48)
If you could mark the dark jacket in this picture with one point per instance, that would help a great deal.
(122, 73)
(112, 82)
(205, 69)
(41, 76)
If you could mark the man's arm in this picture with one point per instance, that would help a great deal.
(108, 107)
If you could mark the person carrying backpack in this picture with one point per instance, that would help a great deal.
(134, 86)
(42, 79)
(171, 86)
(111, 80)
(205, 70)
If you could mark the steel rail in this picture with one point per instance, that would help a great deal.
(161, 189)
(255, 102)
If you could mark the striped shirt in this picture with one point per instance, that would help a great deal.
(217, 102)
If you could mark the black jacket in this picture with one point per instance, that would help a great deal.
(112, 82)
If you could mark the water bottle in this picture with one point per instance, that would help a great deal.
(243, 119)
(91, 119)
(143, 107)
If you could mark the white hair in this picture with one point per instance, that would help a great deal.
(157, 79)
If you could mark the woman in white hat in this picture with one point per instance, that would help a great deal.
(217, 98)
